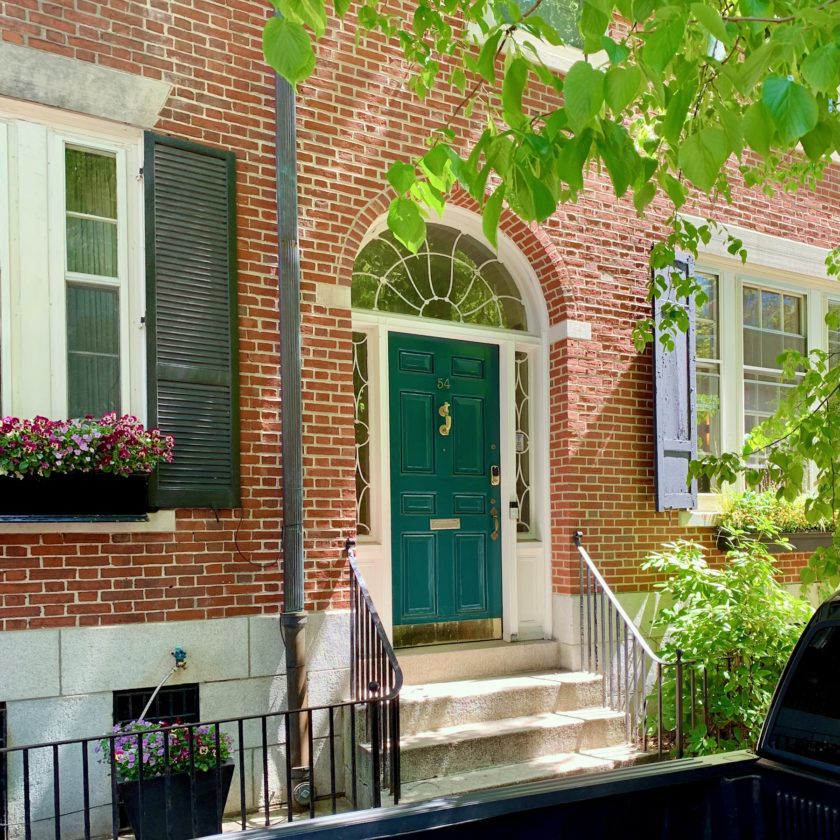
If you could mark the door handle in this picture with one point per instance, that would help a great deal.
(447, 419)
(495, 514)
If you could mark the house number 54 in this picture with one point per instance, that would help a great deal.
(443, 384)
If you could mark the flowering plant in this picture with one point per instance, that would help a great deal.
(111, 444)
(154, 739)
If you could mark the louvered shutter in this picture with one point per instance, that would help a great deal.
(191, 320)
(675, 411)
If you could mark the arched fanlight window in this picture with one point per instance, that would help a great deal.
(453, 277)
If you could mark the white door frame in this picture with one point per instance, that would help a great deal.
(526, 567)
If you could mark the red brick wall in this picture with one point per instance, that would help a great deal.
(354, 119)
(222, 95)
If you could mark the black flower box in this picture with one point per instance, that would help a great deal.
(74, 495)
(802, 541)
(176, 806)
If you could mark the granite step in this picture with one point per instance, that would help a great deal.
(436, 705)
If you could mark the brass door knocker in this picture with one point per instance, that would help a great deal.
(446, 426)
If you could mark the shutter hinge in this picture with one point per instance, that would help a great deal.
(140, 174)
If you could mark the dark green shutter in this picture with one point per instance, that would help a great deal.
(191, 320)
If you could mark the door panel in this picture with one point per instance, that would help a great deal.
(417, 433)
(446, 546)
(419, 551)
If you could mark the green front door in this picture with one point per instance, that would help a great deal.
(445, 499)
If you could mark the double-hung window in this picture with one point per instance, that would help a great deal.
(748, 321)
(118, 288)
(70, 280)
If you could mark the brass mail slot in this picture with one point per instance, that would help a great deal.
(444, 524)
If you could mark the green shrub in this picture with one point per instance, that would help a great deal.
(735, 622)
(763, 513)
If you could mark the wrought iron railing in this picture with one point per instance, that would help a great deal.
(71, 788)
(633, 676)
(375, 674)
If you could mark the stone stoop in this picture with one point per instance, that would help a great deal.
(483, 715)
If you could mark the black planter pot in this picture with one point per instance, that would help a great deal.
(146, 804)
(802, 541)
(74, 495)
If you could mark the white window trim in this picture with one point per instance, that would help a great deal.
(772, 263)
(60, 128)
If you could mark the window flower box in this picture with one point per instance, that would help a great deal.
(89, 468)
(74, 494)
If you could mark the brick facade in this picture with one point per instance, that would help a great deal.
(354, 118)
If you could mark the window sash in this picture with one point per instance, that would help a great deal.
(34, 366)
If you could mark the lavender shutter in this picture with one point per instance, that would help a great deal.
(675, 410)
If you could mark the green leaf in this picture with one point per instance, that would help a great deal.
(755, 66)
(702, 156)
(732, 124)
(406, 223)
(616, 52)
(401, 176)
(758, 130)
(711, 20)
(619, 155)
(817, 142)
(676, 113)
(491, 214)
(341, 7)
(821, 69)
(513, 85)
(288, 49)
(584, 90)
(792, 108)
(643, 196)
(621, 84)
(594, 20)
(675, 190)
(571, 159)
(310, 13)
(435, 164)
(662, 44)
(486, 65)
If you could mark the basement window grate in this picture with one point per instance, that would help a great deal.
(173, 704)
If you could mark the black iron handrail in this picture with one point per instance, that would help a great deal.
(375, 674)
(612, 646)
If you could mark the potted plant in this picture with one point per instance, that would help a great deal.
(89, 467)
(781, 524)
(173, 780)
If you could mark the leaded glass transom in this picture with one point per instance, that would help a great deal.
(453, 277)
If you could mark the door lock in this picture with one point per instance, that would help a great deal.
(495, 476)
(447, 419)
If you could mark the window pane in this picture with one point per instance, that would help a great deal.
(708, 415)
(771, 311)
(91, 183)
(91, 247)
(91, 204)
(93, 351)
(563, 15)
(752, 309)
(707, 319)
(776, 327)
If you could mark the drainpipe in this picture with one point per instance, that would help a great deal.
(293, 617)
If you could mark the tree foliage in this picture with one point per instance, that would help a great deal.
(736, 624)
(691, 96)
